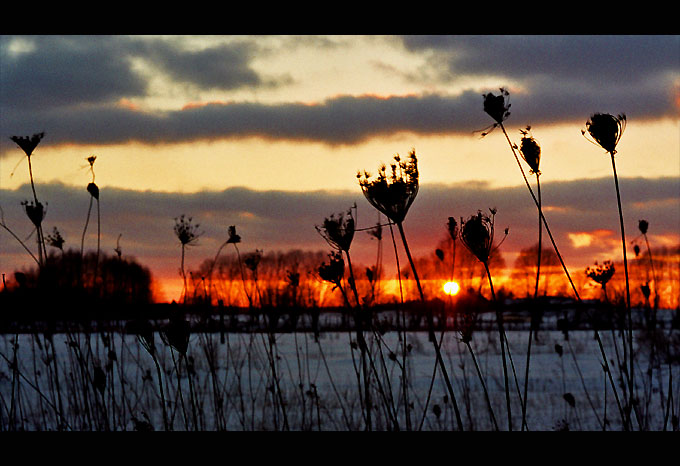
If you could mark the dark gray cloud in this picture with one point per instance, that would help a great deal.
(597, 61)
(68, 71)
(278, 220)
(225, 66)
(67, 87)
(341, 120)
(57, 71)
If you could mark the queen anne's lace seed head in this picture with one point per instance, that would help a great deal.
(606, 130)
(392, 194)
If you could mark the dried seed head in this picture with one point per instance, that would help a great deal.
(601, 273)
(645, 290)
(35, 212)
(335, 270)
(93, 189)
(497, 106)
(530, 150)
(606, 130)
(28, 144)
(476, 233)
(186, 231)
(55, 239)
(338, 232)
(233, 237)
(392, 195)
(643, 225)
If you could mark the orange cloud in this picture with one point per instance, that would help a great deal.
(586, 238)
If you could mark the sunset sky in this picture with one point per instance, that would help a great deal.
(268, 132)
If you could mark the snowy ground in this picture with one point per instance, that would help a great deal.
(55, 384)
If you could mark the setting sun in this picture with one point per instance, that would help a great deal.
(451, 288)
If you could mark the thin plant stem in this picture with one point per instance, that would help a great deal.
(437, 349)
(402, 334)
(481, 379)
(531, 327)
(501, 332)
(559, 256)
(631, 376)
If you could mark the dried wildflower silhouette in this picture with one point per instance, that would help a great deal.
(531, 153)
(28, 145)
(477, 234)
(601, 274)
(35, 212)
(606, 131)
(93, 190)
(233, 238)
(499, 110)
(187, 233)
(392, 195)
(334, 271)
(497, 107)
(55, 240)
(643, 226)
(530, 150)
(339, 231)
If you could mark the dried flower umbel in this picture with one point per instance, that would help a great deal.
(28, 144)
(334, 270)
(188, 234)
(497, 107)
(186, 231)
(477, 234)
(35, 212)
(393, 194)
(606, 130)
(601, 273)
(339, 231)
(233, 237)
(56, 240)
(643, 225)
(530, 150)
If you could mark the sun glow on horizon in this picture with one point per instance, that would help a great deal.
(451, 288)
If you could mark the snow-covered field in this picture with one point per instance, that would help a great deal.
(109, 381)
